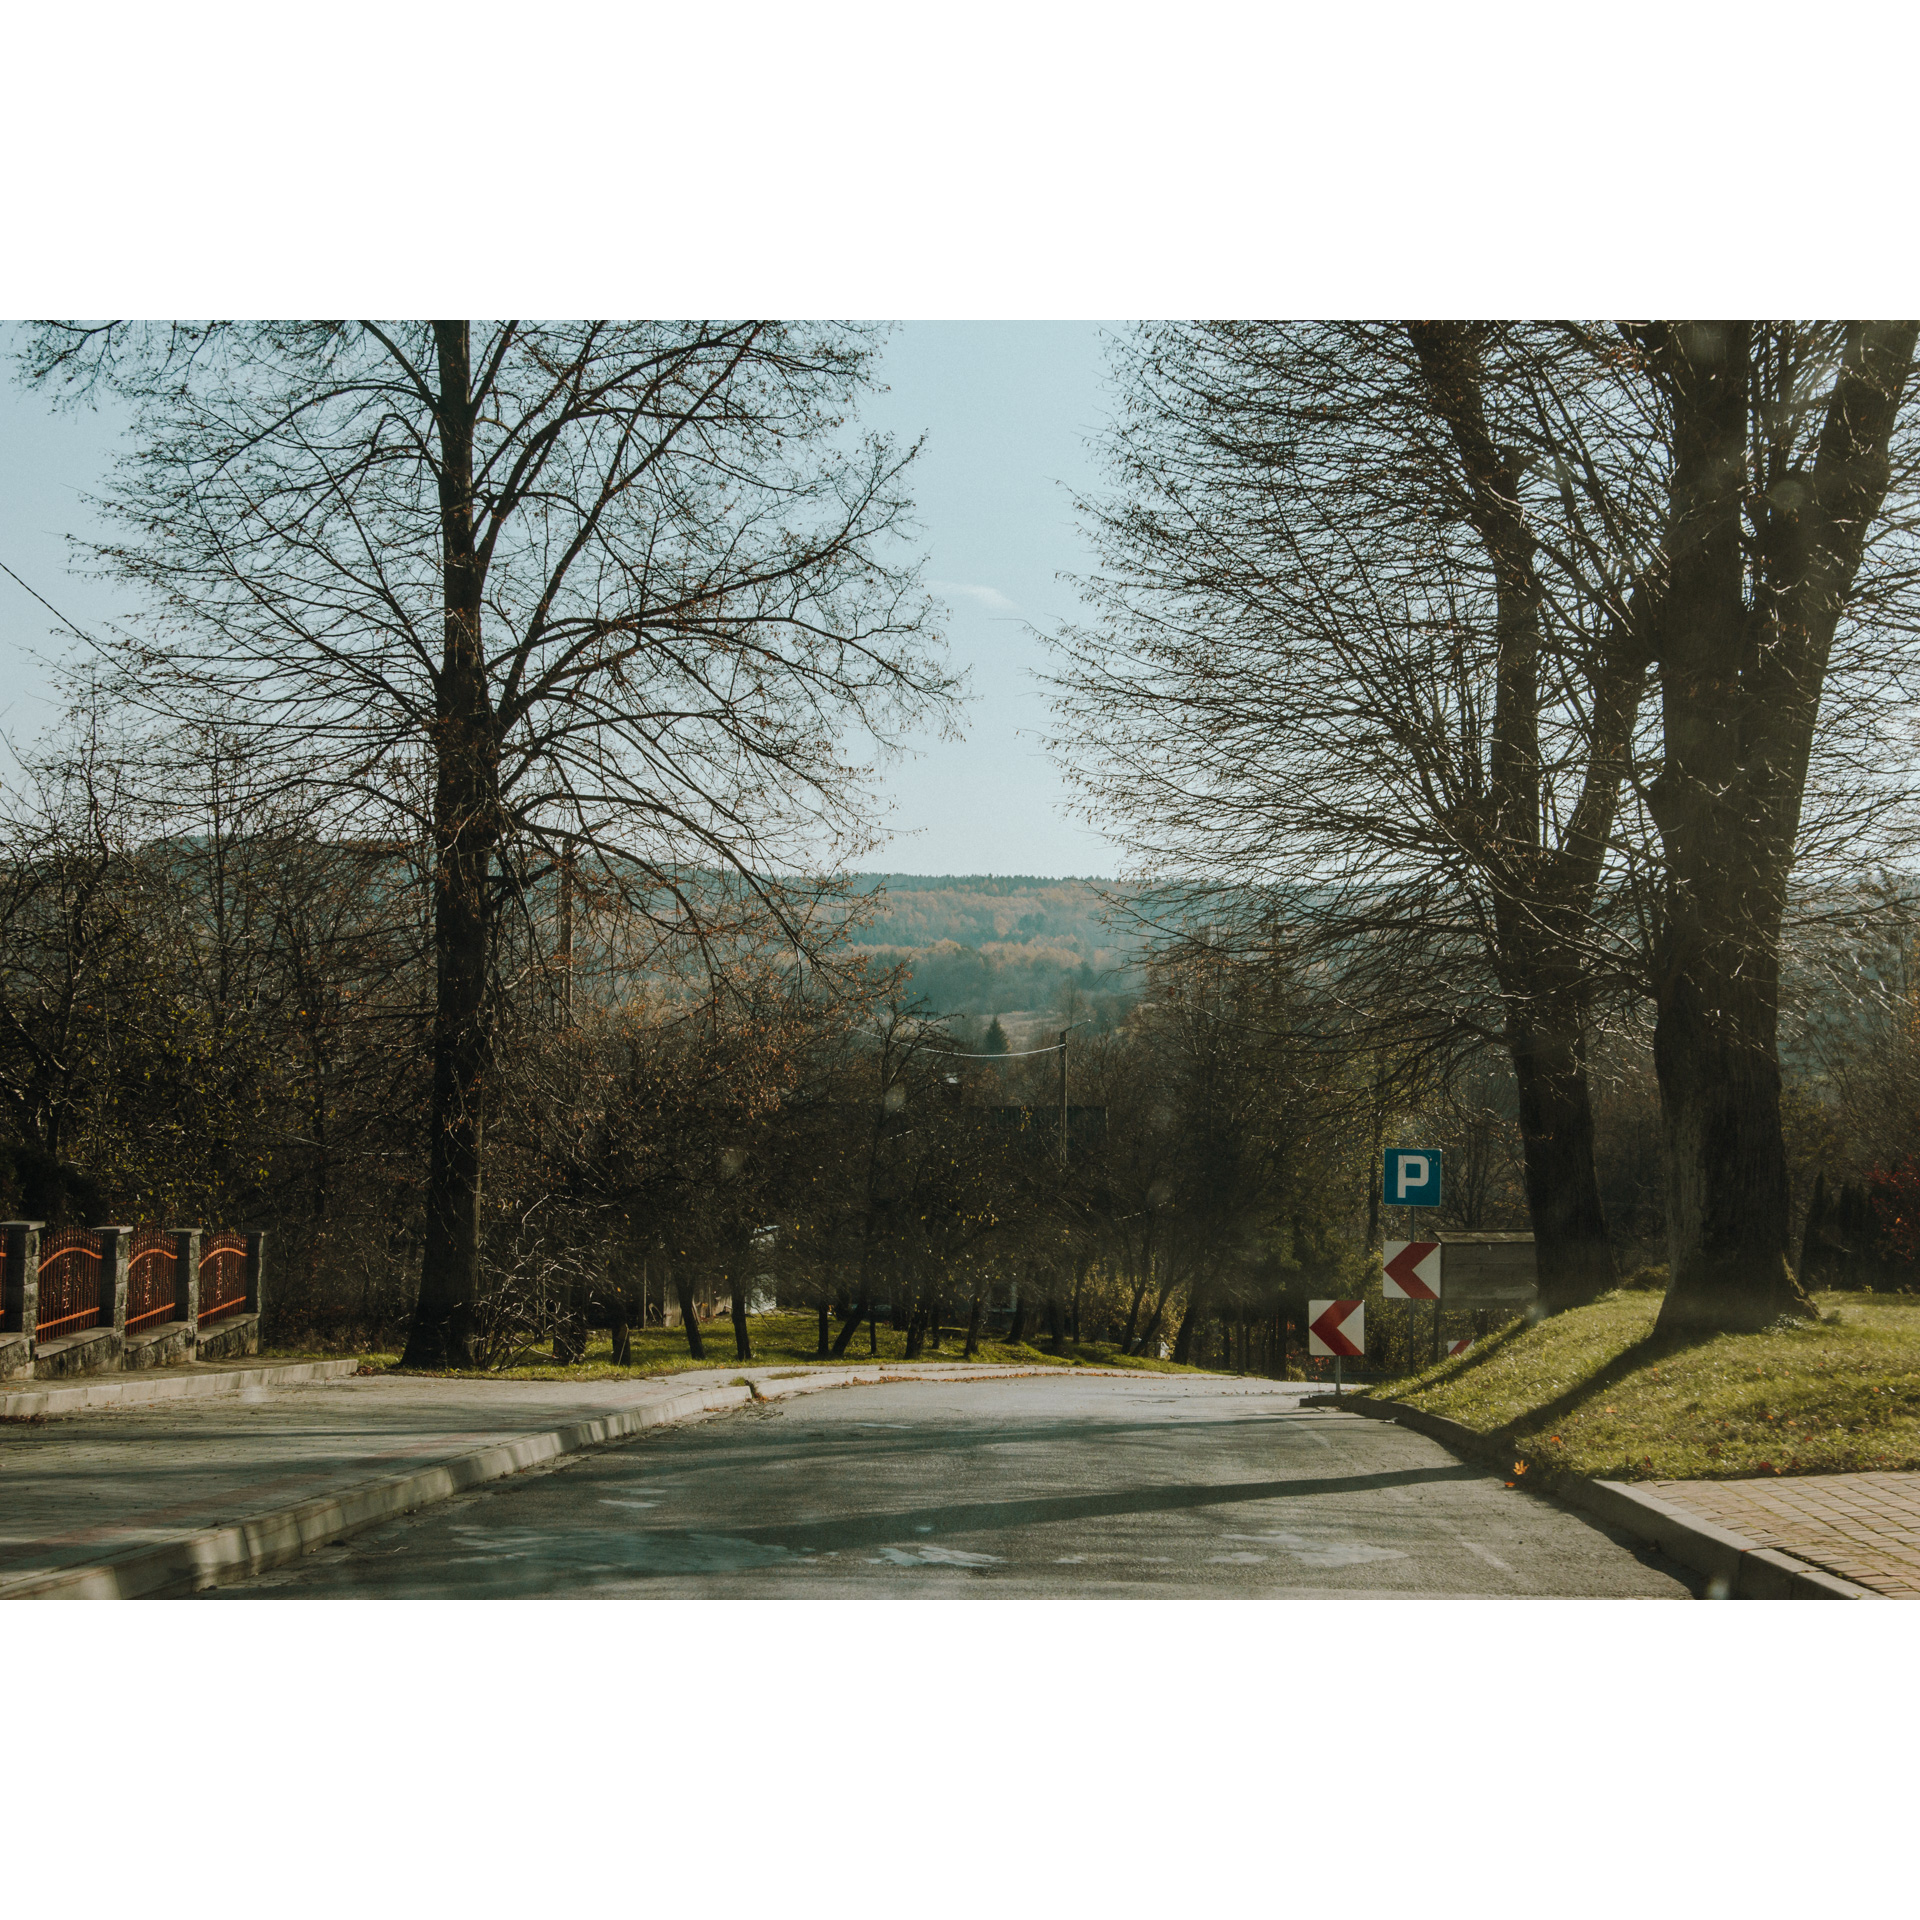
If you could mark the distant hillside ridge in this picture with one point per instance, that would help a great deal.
(922, 909)
(986, 943)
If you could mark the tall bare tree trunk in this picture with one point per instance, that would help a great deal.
(1017, 1319)
(689, 1312)
(1714, 1037)
(850, 1323)
(622, 1340)
(1742, 680)
(1541, 895)
(1189, 1324)
(1572, 1251)
(465, 832)
(742, 1334)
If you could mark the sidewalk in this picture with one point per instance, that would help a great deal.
(158, 1496)
(1865, 1527)
(190, 1380)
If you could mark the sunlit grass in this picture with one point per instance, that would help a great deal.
(784, 1339)
(1591, 1392)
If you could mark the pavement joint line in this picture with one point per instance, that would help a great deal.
(1746, 1570)
(207, 1555)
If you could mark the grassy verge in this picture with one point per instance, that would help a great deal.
(786, 1339)
(1592, 1392)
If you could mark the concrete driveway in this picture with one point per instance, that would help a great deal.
(1165, 1486)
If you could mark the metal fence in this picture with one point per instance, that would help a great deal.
(153, 1277)
(71, 1296)
(223, 1275)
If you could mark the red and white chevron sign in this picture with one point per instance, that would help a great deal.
(1459, 1346)
(1411, 1270)
(1336, 1329)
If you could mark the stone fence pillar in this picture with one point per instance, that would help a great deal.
(116, 1244)
(256, 1259)
(20, 1266)
(186, 1278)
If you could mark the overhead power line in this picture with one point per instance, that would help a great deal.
(1019, 1053)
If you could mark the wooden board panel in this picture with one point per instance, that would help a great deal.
(1488, 1270)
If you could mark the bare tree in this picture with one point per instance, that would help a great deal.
(1381, 611)
(1367, 657)
(607, 594)
(1781, 467)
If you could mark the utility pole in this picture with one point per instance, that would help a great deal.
(566, 937)
(1064, 1031)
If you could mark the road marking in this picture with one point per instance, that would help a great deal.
(1322, 1553)
(1492, 1559)
(934, 1557)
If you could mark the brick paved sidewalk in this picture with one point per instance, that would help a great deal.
(1863, 1526)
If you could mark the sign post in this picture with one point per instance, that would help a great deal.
(1336, 1330)
(1411, 1178)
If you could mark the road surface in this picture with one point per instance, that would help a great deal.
(1162, 1486)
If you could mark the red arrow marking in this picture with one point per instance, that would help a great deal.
(1327, 1327)
(1402, 1265)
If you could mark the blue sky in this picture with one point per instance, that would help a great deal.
(1007, 408)
(47, 462)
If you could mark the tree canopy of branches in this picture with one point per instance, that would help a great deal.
(1379, 610)
(595, 597)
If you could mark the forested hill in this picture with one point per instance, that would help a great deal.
(922, 909)
(993, 943)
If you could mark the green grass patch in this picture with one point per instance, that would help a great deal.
(780, 1339)
(1592, 1392)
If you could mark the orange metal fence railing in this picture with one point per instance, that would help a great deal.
(223, 1276)
(70, 1275)
(152, 1274)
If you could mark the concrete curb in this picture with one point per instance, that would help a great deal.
(122, 1390)
(1733, 1563)
(200, 1558)
(210, 1554)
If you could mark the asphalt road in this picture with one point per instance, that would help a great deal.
(1064, 1487)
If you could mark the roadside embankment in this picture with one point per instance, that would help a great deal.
(1585, 1404)
(1594, 1393)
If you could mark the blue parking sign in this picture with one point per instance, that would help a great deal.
(1412, 1177)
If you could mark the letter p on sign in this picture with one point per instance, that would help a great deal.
(1412, 1177)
